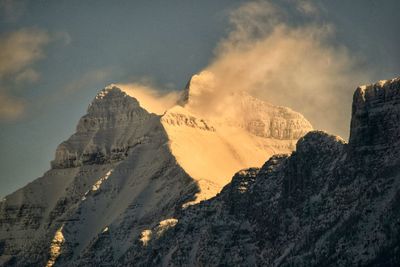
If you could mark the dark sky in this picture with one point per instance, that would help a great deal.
(78, 47)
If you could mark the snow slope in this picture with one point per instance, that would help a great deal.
(211, 152)
(211, 148)
(126, 171)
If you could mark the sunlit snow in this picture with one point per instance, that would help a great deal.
(55, 247)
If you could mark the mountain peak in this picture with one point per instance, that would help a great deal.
(106, 132)
(111, 90)
(379, 84)
(375, 114)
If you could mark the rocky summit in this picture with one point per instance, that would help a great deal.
(126, 174)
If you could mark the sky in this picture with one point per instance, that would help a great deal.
(56, 55)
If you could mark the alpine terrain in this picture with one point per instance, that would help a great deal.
(329, 203)
(126, 175)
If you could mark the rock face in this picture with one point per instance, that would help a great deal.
(327, 204)
(269, 121)
(114, 123)
(376, 115)
(123, 177)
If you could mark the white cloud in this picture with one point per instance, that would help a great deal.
(19, 50)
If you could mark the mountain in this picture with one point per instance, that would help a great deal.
(126, 171)
(245, 134)
(329, 203)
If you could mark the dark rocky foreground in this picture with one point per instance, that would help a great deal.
(327, 204)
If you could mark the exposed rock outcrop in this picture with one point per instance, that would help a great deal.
(376, 115)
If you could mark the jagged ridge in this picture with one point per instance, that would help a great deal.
(327, 204)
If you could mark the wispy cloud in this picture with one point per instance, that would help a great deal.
(306, 7)
(10, 107)
(19, 50)
(295, 66)
(27, 76)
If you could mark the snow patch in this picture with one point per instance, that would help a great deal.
(97, 185)
(106, 91)
(84, 196)
(243, 187)
(382, 82)
(165, 225)
(55, 247)
(145, 237)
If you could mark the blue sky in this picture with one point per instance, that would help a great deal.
(78, 47)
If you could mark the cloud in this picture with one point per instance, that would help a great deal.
(295, 66)
(62, 36)
(10, 107)
(27, 75)
(306, 7)
(151, 99)
(19, 50)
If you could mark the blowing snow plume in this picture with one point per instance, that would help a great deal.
(151, 99)
(285, 64)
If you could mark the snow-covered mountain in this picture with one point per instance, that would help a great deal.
(211, 147)
(329, 203)
(127, 173)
